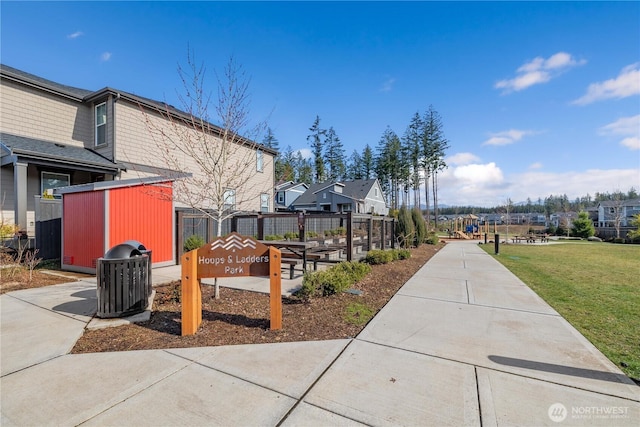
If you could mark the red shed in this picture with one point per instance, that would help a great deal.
(100, 215)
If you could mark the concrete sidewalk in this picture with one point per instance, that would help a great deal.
(464, 342)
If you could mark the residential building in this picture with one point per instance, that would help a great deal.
(54, 135)
(622, 212)
(358, 196)
(287, 193)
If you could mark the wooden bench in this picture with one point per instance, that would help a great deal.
(292, 260)
(291, 263)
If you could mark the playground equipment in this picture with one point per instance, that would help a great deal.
(468, 227)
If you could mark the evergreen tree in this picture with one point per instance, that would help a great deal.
(419, 225)
(635, 222)
(289, 166)
(405, 231)
(583, 226)
(434, 145)
(315, 140)
(389, 166)
(413, 154)
(279, 164)
(334, 157)
(368, 163)
(354, 168)
(304, 169)
(270, 140)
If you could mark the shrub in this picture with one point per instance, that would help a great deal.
(432, 239)
(357, 270)
(420, 226)
(312, 234)
(324, 283)
(378, 256)
(290, 235)
(193, 242)
(404, 230)
(332, 280)
(403, 253)
(274, 237)
(308, 288)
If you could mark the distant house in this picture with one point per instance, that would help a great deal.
(562, 219)
(287, 193)
(611, 211)
(358, 196)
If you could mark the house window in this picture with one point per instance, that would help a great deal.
(612, 210)
(101, 124)
(50, 180)
(375, 192)
(229, 197)
(324, 195)
(264, 202)
(280, 197)
(259, 161)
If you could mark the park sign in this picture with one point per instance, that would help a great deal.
(233, 256)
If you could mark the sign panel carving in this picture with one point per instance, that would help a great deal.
(233, 256)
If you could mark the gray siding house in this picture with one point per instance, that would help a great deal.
(358, 196)
(612, 211)
(287, 193)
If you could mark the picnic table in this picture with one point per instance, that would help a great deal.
(298, 249)
(531, 238)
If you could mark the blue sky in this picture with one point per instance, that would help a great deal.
(536, 98)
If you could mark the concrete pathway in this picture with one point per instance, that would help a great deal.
(464, 342)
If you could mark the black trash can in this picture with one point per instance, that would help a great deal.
(122, 276)
(144, 251)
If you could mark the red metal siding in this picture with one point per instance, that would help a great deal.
(143, 213)
(83, 224)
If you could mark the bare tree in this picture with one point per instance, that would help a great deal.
(617, 211)
(214, 166)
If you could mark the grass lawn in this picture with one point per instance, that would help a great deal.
(594, 286)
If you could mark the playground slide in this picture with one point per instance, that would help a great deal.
(462, 235)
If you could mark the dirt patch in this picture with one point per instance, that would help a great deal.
(242, 317)
(15, 278)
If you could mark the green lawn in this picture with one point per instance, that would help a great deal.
(595, 286)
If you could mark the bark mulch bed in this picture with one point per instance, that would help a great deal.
(242, 317)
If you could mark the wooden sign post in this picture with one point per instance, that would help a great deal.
(230, 256)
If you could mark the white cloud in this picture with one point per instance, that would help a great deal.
(485, 185)
(534, 166)
(305, 153)
(105, 56)
(478, 174)
(75, 35)
(626, 84)
(462, 159)
(537, 71)
(628, 128)
(468, 184)
(387, 86)
(507, 137)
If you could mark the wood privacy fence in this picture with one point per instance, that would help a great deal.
(354, 233)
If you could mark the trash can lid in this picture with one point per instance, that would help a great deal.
(123, 250)
(136, 244)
